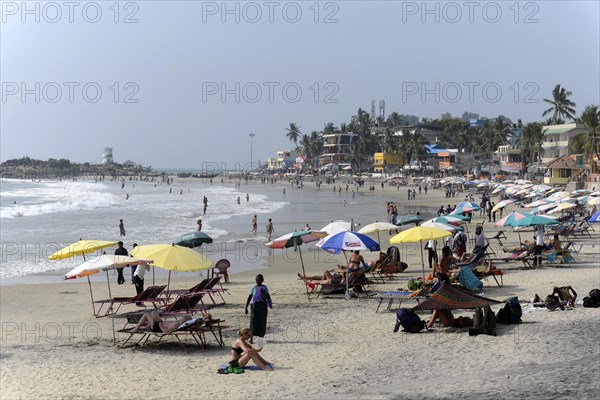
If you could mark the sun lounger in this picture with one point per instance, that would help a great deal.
(214, 287)
(150, 295)
(190, 303)
(196, 288)
(357, 283)
(398, 295)
(196, 328)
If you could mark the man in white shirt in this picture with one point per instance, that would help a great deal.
(479, 238)
(138, 279)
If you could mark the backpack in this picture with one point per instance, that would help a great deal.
(410, 321)
(593, 300)
(511, 312)
(484, 322)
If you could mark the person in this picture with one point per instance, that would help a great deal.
(205, 202)
(120, 251)
(355, 261)
(284, 193)
(556, 246)
(270, 229)
(238, 200)
(138, 280)
(153, 322)
(432, 253)
(199, 223)
(566, 294)
(539, 245)
(307, 227)
(445, 316)
(121, 228)
(242, 352)
(247, 197)
(254, 225)
(460, 242)
(258, 299)
(479, 238)
(442, 270)
(133, 267)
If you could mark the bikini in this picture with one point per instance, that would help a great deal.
(156, 327)
(238, 350)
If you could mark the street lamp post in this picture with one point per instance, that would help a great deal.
(251, 137)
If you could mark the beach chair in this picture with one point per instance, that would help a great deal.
(220, 269)
(572, 246)
(482, 272)
(150, 295)
(583, 228)
(196, 288)
(400, 296)
(474, 262)
(197, 328)
(186, 304)
(214, 287)
(357, 282)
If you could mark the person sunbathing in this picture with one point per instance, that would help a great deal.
(445, 316)
(525, 246)
(153, 322)
(242, 352)
(330, 278)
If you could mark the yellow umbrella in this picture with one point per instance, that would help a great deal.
(419, 234)
(81, 247)
(172, 257)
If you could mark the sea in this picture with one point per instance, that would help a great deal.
(38, 218)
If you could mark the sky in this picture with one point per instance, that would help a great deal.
(182, 84)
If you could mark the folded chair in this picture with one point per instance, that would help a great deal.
(150, 295)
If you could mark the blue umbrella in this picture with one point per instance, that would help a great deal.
(468, 205)
(595, 217)
(347, 241)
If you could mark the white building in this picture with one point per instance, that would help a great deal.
(558, 140)
(284, 160)
(107, 156)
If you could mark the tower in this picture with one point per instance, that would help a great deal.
(107, 156)
(382, 109)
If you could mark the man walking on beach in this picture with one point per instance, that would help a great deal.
(270, 229)
(120, 251)
(121, 228)
(205, 201)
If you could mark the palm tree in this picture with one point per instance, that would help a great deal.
(562, 107)
(293, 133)
(531, 141)
(589, 142)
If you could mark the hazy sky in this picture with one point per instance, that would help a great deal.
(178, 83)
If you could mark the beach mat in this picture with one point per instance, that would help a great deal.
(225, 368)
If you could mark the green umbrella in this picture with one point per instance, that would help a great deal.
(409, 219)
(531, 220)
(193, 239)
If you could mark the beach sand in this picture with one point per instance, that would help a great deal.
(52, 348)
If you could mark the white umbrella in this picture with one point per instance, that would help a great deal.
(336, 226)
(594, 201)
(441, 226)
(561, 206)
(377, 227)
(502, 204)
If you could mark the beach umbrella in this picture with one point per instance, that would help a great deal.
(451, 219)
(82, 247)
(595, 217)
(502, 204)
(441, 225)
(347, 241)
(558, 196)
(409, 219)
(377, 227)
(336, 226)
(193, 239)
(594, 201)
(537, 203)
(562, 206)
(171, 257)
(510, 218)
(351, 241)
(468, 206)
(296, 239)
(499, 188)
(533, 220)
(419, 234)
(104, 262)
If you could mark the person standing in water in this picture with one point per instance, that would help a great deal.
(270, 229)
(254, 225)
(121, 228)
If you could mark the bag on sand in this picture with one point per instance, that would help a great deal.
(511, 312)
(593, 299)
(552, 302)
(484, 322)
(410, 321)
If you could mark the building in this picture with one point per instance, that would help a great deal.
(441, 159)
(387, 162)
(431, 132)
(107, 156)
(336, 146)
(510, 158)
(284, 160)
(563, 169)
(558, 140)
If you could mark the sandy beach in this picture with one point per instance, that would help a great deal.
(51, 346)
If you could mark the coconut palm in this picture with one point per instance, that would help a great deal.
(293, 133)
(562, 108)
(588, 143)
(531, 141)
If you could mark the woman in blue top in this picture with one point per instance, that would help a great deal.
(259, 299)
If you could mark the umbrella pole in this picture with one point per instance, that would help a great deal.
(302, 263)
(347, 294)
(378, 242)
(422, 260)
(91, 295)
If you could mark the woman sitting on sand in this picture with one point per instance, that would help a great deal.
(242, 352)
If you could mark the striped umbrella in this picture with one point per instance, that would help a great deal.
(511, 218)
